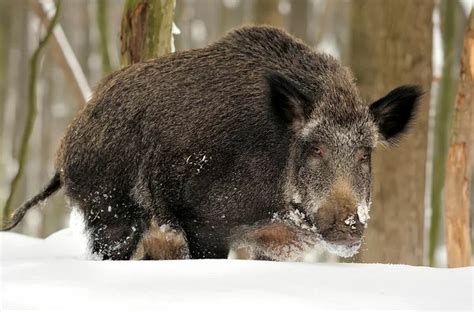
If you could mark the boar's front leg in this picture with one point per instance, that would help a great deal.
(162, 242)
(163, 238)
(278, 241)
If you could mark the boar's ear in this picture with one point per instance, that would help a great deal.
(288, 102)
(394, 112)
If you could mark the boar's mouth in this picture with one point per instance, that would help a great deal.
(341, 240)
(345, 239)
(342, 236)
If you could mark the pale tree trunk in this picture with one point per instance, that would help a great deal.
(391, 45)
(452, 21)
(266, 12)
(146, 29)
(299, 19)
(229, 16)
(102, 8)
(459, 163)
(5, 30)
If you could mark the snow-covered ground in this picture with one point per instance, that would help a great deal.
(51, 274)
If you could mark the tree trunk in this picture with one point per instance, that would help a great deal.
(5, 30)
(146, 29)
(391, 45)
(229, 16)
(266, 12)
(65, 57)
(299, 19)
(102, 8)
(459, 163)
(441, 124)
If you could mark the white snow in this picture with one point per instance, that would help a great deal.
(340, 250)
(51, 274)
(363, 213)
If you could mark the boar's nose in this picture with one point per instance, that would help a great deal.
(347, 230)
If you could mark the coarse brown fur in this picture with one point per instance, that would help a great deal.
(216, 142)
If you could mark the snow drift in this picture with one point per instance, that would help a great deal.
(51, 274)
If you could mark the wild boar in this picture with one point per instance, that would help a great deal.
(255, 143)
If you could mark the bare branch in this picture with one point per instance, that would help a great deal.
(31, 113)
(63, 53)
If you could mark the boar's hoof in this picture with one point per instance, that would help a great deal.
(163, 242)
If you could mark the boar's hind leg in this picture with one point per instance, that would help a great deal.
(114, 228)
(272, 241)
(162, 242)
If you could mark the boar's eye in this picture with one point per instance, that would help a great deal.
(318, 150)
(364, 154)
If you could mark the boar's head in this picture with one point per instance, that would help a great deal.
(328, 177)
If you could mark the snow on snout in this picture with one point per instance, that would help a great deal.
(363, 213)
(350, 221)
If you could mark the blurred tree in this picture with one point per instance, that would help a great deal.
(30, 115)
(266, 12)
(299, 19)
(16, 92)
(391, 45)
(4, 37)
(102, 8)
(459, 161)
(146, 29)
(442, 117)
(325, 17)
(43, 142)
(230, 15)
(64, 55)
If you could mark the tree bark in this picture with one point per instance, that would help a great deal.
(441, 124)
(391, 45)
(146, 29)
(459, 162)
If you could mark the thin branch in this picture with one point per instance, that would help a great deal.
(63, 54)
(31, 113)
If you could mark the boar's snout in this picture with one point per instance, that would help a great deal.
(338, 218)
(346, 231)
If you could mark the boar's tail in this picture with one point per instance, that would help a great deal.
(53, 185)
